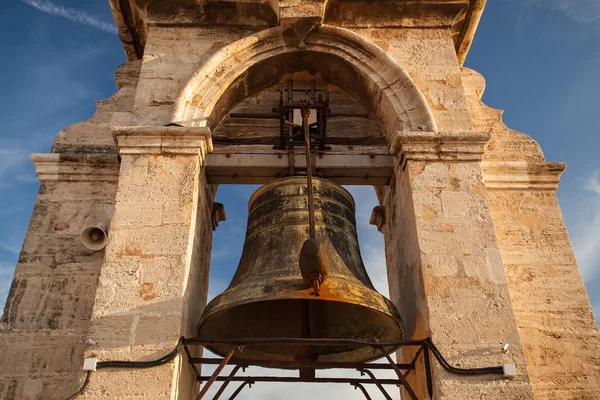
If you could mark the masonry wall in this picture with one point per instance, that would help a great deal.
(429, 57)
(153, 284)
(447, 277)
(44, 329)
(555, 318)
(560, 337)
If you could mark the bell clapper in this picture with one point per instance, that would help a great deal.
(313, 258)
(314, 265)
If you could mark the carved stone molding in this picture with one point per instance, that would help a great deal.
(163, 140)
(76, 167)
(522, 175)
(435, 146)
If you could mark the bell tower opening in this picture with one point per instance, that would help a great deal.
(251, 301)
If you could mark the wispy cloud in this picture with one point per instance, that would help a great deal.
(13, 247)
(593, 182)
(11, 160)
(577, 10)
(72, 14)
(586, 244)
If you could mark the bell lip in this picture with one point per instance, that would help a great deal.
(212, 310)
(300, 179)
(391, 307)
(334, 289)
(390, 315)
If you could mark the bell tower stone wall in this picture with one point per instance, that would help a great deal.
(476, 249)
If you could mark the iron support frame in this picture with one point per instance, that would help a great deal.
(424, 350)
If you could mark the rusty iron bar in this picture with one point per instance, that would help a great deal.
(227, 381)
(428, 377)
(298, 364)
(190, 358)
(215, 374)
(293, 341)
(291, 161)
(413, 362)
(291, 379)
(376, 381)
(304, 352)
(428, 343)
(311, 206)
(400, 375)
(240, 388)
(362, 389)
(290, 113)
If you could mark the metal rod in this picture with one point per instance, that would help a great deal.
(376, 382)
(190, 358)
(239, 389)
(311, 206)
(497, 370)
(362, 389)
(401, 377)
(291, 379)
(291, 160)
(215, 374)
(224, 385)
(298, 364)
(290, 112)
(428, 376)
(293, 341)
(456, 370)
(304, 352)
(413, 362)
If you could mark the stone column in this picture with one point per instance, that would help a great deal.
(560, 337)
(153, 284)
(46, 318)
(445, 269)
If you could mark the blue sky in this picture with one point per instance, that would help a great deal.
(541, 60)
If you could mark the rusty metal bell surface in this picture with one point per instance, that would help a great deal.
(268, 298)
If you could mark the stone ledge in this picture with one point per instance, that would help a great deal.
(434, 146)
(163, 140)
(522, 175)
(76, 167)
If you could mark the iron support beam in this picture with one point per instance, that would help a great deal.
(362, 389)
(377, 382)
(215, 375)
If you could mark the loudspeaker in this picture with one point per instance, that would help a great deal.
(95, 237)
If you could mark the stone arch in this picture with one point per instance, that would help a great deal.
(386, 88)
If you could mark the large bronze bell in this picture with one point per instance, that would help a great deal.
(268, 298)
